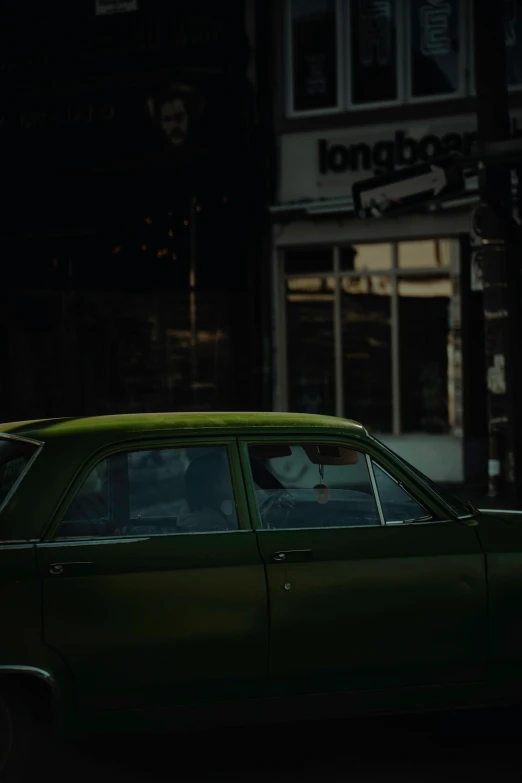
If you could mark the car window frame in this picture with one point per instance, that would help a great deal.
(30, 462)
(363, 447)
(298, 440)
(427, 484)
(149, 444)
(372, 463)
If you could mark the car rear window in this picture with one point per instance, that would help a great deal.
(15, 456)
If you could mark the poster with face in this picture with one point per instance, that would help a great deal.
(175, 111)
(174, 120)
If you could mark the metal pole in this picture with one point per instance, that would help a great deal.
(493, 224)
(192, 302)
(338, 335)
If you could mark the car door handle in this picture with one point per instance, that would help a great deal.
(58, 569)
(294, 555)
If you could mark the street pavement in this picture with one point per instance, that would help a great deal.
(420, 749)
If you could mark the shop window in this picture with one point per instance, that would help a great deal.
(424, 340)
(308, 261)
(435, 48)
(366, 349)
(424, 254)
(310, 345)
(373, 46)
(313, 37)
(366, 258)
(378, 339)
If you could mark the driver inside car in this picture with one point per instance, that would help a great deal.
(273, 501)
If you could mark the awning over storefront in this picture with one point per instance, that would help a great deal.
(327, 207)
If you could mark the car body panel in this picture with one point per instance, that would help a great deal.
(145, 631)
(500, 534)
(379, 606)
(376, 607)
(22, 649)
(158, 621)
(155, 621)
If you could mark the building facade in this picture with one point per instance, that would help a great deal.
(133, 236)
(381, 320)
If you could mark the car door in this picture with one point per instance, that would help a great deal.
(154, 591)
(360, 598)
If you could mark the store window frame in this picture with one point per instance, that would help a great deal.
(403, 65)
(289, 69)
(511, 88)
(466, 54)
(394, 273)
(401, 82)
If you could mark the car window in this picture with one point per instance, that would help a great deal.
(14, 459)
(312, 486)
(396, 503)
(454, 504)
(154, 492)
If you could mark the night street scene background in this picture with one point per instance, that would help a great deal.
(178, 233)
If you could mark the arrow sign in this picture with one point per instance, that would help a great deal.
(434, 182)
(408, 187)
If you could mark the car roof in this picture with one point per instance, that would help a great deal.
(126, 424)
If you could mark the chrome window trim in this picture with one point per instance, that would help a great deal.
(369, 464)
(321, 527)
(401, 486)
(39, 446)
(453, 514)
(79, 541)
(22, 438)
(498, 511)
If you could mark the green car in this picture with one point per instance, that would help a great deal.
(164, 570)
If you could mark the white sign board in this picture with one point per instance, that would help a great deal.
(105, 7)
(432, 181)
(318, 165)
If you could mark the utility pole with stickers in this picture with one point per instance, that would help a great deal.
(496, 255)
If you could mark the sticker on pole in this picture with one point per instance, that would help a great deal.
(408, 187)
(106, 7)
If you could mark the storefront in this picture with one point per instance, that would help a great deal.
(376, 320)
(131, 247)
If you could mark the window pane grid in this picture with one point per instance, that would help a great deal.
(357, 54)
(384, 363)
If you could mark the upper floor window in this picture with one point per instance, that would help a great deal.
(314, 55)
(373, 51)
(435, 48)
(351, 54)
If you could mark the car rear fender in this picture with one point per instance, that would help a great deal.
(41, 690)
